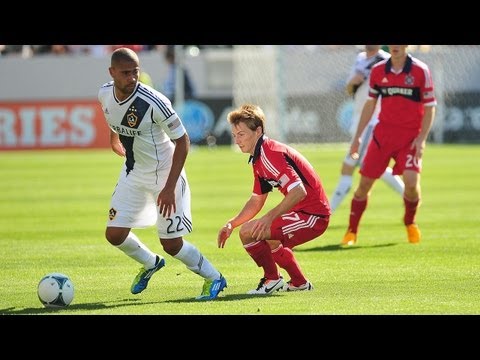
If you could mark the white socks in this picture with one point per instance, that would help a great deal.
(394, 181)
(343, 187)
(345, 184)
(133, 247)
(188, 254)
(196, 262)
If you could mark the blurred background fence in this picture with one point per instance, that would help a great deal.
(48, 100)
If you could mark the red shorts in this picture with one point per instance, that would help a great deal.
(386, 145)
(295, 228)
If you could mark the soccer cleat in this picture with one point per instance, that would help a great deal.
(289, 287)
(349, 239)
(266, 286)
(141, 280)
(211, 288)
(414, 234)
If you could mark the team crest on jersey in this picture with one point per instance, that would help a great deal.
(409, 80)
(132, 117)
(111, 213)
(135, 113)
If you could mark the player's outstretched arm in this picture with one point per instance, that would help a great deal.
(367, 113)
(251, 208)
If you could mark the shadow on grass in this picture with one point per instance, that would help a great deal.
(120, 303)
(337, 247)
(226, 297)
(87, 306)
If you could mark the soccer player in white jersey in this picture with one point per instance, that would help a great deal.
(152, 186)
(357, 86)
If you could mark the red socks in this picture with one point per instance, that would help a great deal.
(410, 211)
(286, 260)
(356, 211)
(261, 254)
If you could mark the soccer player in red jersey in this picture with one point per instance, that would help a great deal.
(302, 215)
(406, 90)
(357, 86)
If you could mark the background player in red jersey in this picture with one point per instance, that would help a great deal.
(357, 86)
(405, 87)
(302, 215)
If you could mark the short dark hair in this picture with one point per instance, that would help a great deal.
(124, 55)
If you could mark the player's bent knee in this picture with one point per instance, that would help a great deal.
(245, 233)
(116, 236)
(172, 246)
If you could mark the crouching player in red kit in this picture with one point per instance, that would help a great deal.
(301, 216)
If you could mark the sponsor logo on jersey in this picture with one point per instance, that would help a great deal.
(394, 90)
(125, 131)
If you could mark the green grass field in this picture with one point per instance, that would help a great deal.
(54, 205)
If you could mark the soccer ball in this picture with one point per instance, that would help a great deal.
(55, 290)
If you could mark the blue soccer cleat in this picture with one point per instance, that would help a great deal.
(211, 288)
(141, 280)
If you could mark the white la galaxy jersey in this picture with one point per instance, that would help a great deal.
(145, 122)
(363, 65)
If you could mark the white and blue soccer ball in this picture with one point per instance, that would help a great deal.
(55, 290)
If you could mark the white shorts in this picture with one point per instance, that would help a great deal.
(134, 205)
(365, 140)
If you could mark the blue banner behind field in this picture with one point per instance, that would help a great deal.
(206, 120)
(197, 118)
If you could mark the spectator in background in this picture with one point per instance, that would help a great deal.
(169, 85)
(90, 50)
(50, 49)
(60, 49)
(11, 49)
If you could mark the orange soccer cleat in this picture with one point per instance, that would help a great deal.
(414, 234)
(349, 239)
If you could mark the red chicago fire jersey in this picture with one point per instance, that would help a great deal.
(276, 165)
(403, 95)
